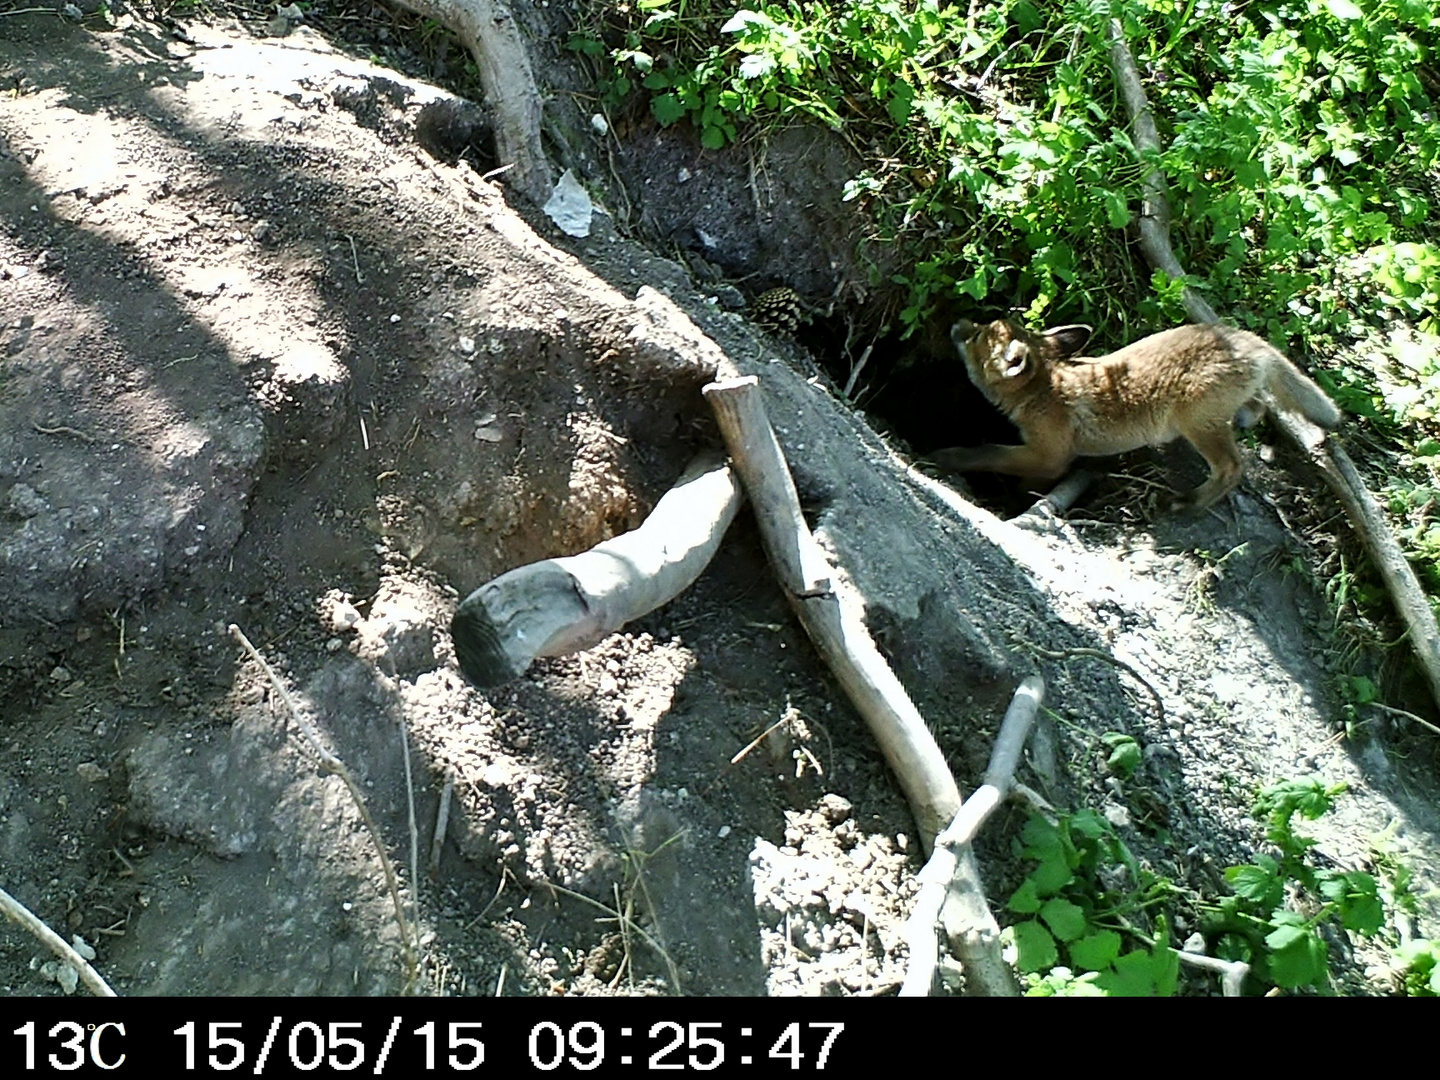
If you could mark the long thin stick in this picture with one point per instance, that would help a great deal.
(332, 764)
(1325, 453)
(831, 612)
(19, 913)
(833, 615)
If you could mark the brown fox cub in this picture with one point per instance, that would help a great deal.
(1190, 381)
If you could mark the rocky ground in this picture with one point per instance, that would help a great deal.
(273, 353)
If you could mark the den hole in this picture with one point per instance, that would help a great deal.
(915, 392)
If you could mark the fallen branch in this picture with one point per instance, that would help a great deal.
(488, 30)
(937, 879)
(1325, 454)
(18, 913)
(559, 606)
(332, 764)
(1095, 654)
(832, 613)
(442, 824)
(1392, 711)
(1232, 972)
(1042, 513)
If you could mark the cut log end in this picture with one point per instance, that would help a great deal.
(478, 644)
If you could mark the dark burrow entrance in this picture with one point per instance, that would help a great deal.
(915, 391)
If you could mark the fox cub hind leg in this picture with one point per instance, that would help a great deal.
(1217, 446)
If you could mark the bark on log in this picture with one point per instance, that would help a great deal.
(488, 29)
(560, 606)
(1327, 455)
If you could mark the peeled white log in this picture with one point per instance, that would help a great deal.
(560, 606)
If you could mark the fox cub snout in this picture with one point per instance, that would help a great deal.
(1188, 382)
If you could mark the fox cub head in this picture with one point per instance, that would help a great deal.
(1003, 353)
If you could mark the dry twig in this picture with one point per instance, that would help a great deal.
(442, 823)
(1232, 972)
(1094, 654)
(18, 913)
(332, 764)
(831, 612)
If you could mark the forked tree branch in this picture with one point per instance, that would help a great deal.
(833, 615)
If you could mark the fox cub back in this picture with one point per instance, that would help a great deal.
(1188, 382)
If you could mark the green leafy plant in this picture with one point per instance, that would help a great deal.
(1300, 141)
(1070, 914)
(1082, 909)
(1288, 947)
(1125, 754)
(1421, 973)
(1299, 137)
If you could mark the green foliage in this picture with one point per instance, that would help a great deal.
(1085, 894)
(1298, 136)
(1284, 946)
(1125, 755)
(1421, 974)
(1301, 139)
(1071, 912)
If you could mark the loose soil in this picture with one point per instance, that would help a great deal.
(274, 354)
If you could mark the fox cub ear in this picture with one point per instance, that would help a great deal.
(1069, 340)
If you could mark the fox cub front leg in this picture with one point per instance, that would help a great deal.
(1032, 461)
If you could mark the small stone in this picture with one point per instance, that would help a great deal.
(25, 502)
(344, 616)
(60, 675)
(62, 973)
(91, 774)
(835, 808)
